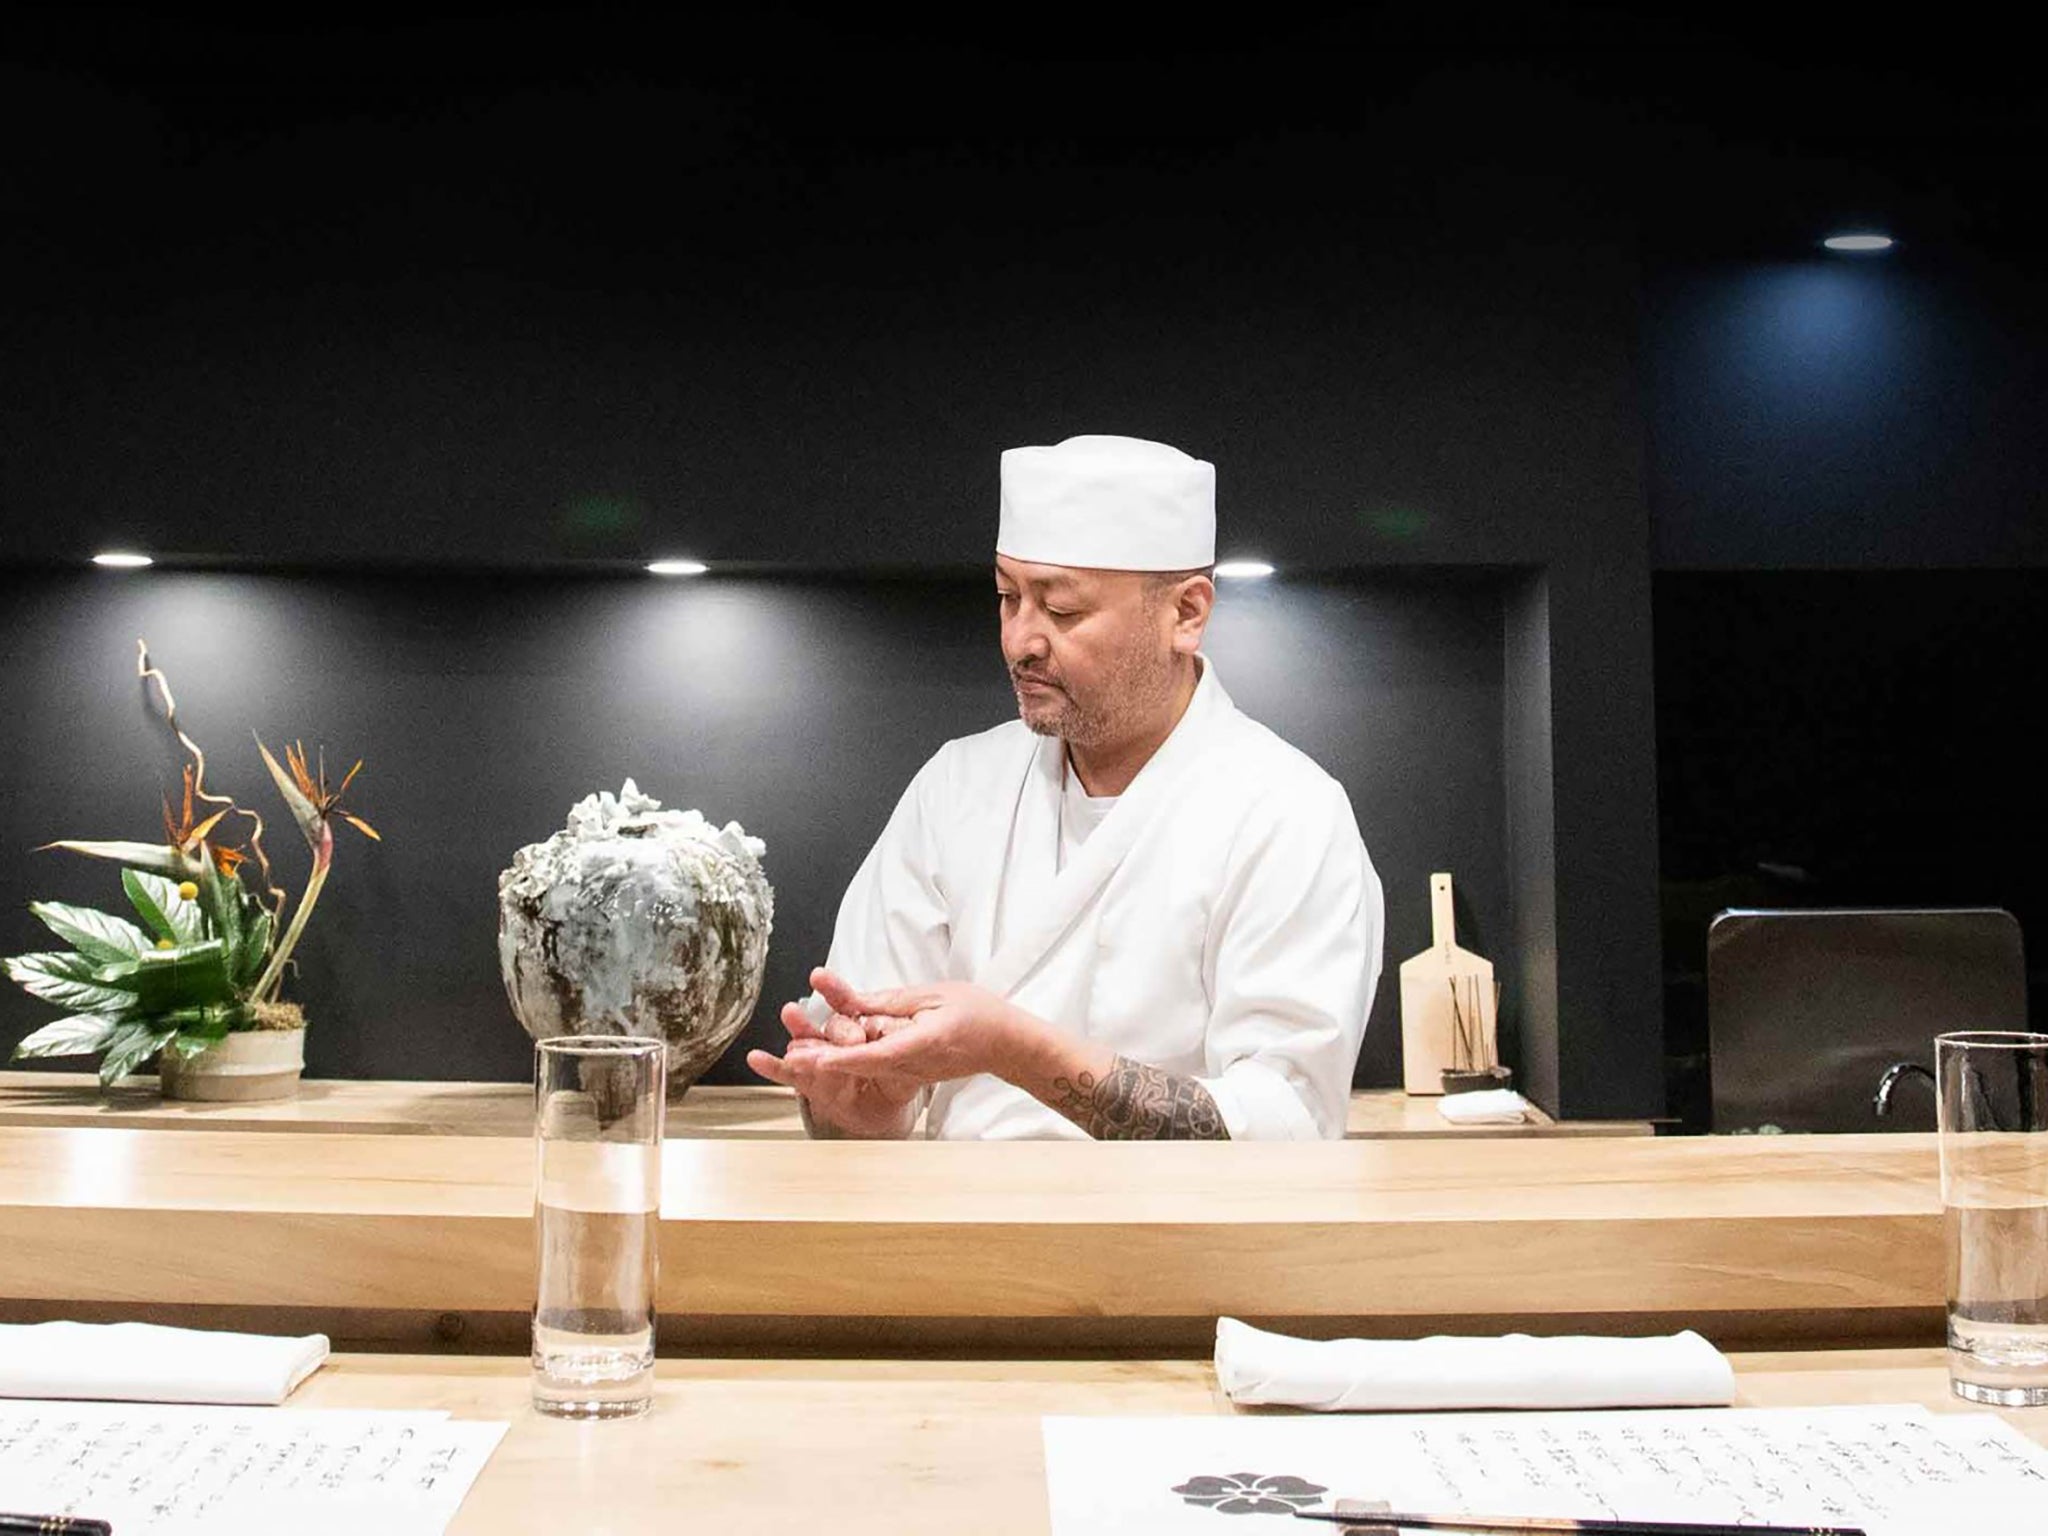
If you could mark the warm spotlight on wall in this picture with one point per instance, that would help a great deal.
(1864, 242)
(115, 560)
(1243, 569)
(678, 567)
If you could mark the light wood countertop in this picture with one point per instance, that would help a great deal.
(904, 1447)
(1750, 1237)
(506, 1109)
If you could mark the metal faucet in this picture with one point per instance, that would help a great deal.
(1882, 1104)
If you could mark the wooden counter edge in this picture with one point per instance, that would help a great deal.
(396, 1107)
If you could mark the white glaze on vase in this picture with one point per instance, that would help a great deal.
(636, 920)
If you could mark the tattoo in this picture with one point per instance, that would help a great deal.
(1134, 1102)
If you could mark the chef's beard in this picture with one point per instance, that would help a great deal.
(1136, 685)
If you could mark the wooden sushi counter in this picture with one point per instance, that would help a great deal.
(424, 1240)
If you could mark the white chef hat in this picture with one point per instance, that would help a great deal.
(1109, 503)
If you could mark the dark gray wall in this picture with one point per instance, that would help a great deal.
(1532, 831)
(571, 293)
(336, 299)
(485, 706)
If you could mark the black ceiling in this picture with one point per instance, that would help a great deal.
(1731, 131)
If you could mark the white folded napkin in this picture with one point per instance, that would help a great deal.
(145, 1363)
(1487, 1106)
(1680, 1370)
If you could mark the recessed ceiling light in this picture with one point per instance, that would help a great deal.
(678, 567)
(1244, 568)
(1859, 242)
(115, 560)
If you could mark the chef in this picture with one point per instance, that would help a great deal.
(1131, 913)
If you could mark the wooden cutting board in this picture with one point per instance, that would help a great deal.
(1427, 1023)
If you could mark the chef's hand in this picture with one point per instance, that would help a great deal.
(868, 1105)
(930, 1034)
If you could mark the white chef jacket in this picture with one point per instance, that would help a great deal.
(1223, 921)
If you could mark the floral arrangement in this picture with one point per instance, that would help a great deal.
(209, 954)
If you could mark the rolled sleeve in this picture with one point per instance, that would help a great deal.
(1258, 1103)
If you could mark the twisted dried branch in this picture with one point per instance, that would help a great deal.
(272, 894)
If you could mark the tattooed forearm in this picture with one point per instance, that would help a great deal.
(1134, 1102)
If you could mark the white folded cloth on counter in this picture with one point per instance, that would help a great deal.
(145, 1363)
(1517, 1371)
(1487, 1106)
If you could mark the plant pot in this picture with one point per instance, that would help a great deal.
(239, 1068)
(1475, 1079)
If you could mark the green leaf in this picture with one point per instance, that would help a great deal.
(206, 1024)
(221, 896)
(164, 979)
(188, 917)
(304, 812)
(255, 950)
(188, 1045)
(146, 904)
(66, 978)
(68, 964)
(159, 858)
(96, 935)
(79, 1035)
(169, 914)
(129, 1046)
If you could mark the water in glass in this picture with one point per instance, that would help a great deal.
(597, 1240)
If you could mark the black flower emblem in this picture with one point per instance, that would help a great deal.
(1247, 1493)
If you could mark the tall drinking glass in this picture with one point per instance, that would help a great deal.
(1993, 1090)
(598, 1103)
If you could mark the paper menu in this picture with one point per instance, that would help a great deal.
(155, 1469)
(1896, 1471)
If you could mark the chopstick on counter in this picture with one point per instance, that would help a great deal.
(1531, 1525)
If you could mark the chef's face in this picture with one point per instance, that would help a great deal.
(1092, 653)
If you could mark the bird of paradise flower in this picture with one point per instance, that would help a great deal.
(188, 836)
(315, 808)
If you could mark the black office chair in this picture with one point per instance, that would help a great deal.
(1824, 1019)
